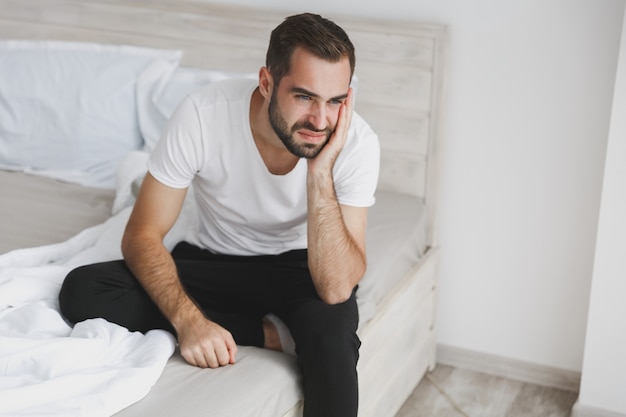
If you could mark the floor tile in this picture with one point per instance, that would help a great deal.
(454, 392)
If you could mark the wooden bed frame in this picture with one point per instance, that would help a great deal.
(400, 70)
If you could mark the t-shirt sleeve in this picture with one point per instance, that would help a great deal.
(357, 167)
(176, 157)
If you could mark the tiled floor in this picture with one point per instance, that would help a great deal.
(474, 394)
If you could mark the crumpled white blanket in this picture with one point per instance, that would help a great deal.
(48, 368)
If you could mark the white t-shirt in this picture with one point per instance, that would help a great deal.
(243, 208)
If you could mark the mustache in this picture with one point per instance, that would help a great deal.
(311, 127)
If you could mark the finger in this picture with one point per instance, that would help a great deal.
(345, 115)
(221, 354)
(226, 349)
(232, 350)
(212, 359)
(348, 101)
(349, 106)
(188, 356)
(194, 358)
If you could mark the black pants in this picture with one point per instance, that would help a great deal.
(236, 292)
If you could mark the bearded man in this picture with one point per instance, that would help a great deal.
(283, 173)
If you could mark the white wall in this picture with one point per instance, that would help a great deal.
(604, 371)
(529, 97)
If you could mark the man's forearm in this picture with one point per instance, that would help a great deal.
(336, 261)
(154, 268)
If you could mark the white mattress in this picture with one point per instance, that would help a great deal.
(262, 383)
(37, 211)
(265, 383)
(396, 240)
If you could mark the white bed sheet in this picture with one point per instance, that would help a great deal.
(30, 279)
(49, 369)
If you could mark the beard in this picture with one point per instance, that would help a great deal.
(286, 134)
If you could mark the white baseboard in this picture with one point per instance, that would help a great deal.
(580, 410)
(509, 368)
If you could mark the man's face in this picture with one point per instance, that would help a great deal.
(304, 107)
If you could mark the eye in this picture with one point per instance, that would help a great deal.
(336, 102)
(303, 97)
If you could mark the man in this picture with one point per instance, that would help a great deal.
(282, 175)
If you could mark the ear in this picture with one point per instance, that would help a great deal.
(266, 83)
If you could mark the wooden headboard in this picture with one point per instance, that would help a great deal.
(400, 65)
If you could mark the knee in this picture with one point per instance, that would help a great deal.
(76, 289)
(88, 289)
(74, 284)
(329, 340)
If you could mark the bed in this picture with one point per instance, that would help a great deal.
(68, 186)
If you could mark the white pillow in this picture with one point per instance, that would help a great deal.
(69, 109)
(157, 100)
(129, 177)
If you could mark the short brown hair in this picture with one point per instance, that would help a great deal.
(316, 34)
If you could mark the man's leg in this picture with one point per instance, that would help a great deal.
(325, 335)
(109, 290)
(327, 347)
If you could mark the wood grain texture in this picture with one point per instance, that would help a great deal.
(483, 395)
(400, 65)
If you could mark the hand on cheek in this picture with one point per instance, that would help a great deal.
(326, 158)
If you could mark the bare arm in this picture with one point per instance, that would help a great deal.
(336, 233)
(202, 342)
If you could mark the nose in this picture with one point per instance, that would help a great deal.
(317, 116)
